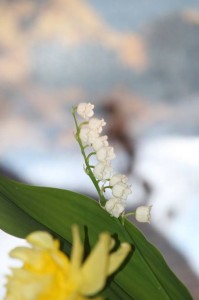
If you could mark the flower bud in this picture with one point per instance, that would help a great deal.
(85, 110)
(143, 214)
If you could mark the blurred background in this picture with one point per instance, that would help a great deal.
(138, 62)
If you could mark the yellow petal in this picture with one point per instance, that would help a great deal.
(77, 250)
(22, 253)
(26, 286)
(41, 239)
(95, 267)
(117, 257)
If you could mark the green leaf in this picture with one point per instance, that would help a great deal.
(145, 276)
(15, 221)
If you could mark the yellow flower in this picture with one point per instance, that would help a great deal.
(48, 274)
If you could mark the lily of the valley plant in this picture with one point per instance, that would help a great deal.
(70, 268)
(93, 143)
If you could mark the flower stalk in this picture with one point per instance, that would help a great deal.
(86, 159)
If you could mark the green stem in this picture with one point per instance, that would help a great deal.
(82, 124)
(86, 159)
(123, 216)
(130, 214)
(106, 187)
(86, 146)
(92, 153)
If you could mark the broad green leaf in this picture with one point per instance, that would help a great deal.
(145, 276)
(15, 221)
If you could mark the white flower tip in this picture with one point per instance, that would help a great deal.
(85, 110)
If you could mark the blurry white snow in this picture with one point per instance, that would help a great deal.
(170, 165)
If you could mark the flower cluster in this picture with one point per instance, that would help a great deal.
(89, 135)
(47, 273)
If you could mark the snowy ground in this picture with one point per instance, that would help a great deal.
(170, 165)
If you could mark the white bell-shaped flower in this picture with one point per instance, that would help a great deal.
(85, 110)
(143, 214)
(87, 135)
(105, 154)
(114, 207)
(96, 124)
(100, 142)
(102, 171)
(118, 178)
(121, 190)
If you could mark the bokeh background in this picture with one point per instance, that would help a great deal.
(138, 62)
